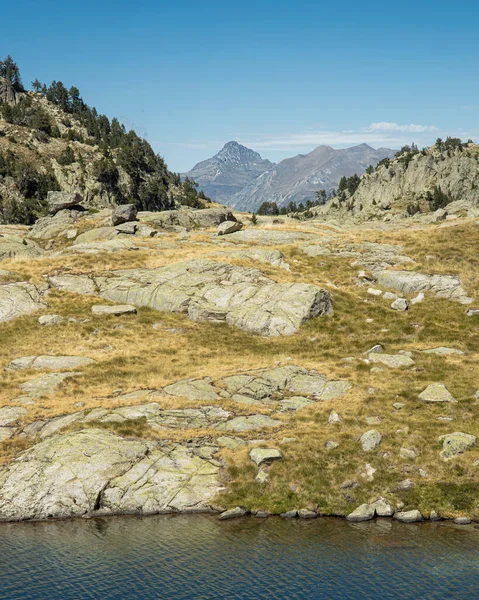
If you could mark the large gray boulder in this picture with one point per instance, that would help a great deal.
(53, 226)
(91, 471)
(456, 443)
(365, 512)
(123, 213)
(229, 227)
(436, 392)
(61, 200)
(211, 291)
(18, 299)
(370, 440)
(411, 282)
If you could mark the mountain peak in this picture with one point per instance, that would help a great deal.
(236, 152)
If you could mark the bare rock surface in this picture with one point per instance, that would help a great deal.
(211, 291)
(94, 471)
(18, 299)
(14, 246)
(49, 363)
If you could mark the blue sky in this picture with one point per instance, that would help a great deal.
(281, 77)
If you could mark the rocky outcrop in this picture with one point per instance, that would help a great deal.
(189, 219)
(123, 214)
(14, 246)
(410, 282)
(49, 363)
(211, 291)
(17, 299)
(96, 472)
(57, 201)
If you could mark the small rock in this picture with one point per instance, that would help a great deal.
(127, 228)
(408, 453)
(50, 320)
(374, 292)
(233, 513)
(370, 440)
(400, 304)
(262, 514)
(422, 472)
(409, 516)
(382, 508)
(330, 445)
(462, 521)
(334, 417)
(442, 350)
(365, 512)
(229, 227)
(305, 513)
(405, 485)
(264, 455)
(120, 309)
(398, 405)
(290, 514)
(262, 476)
(349, 484)
(368, 473)
(434, 516)
(456, 443)
(377, 349)
(390, 296)
(436, 392)
(472, 312)
(373, 420)
(419, 298)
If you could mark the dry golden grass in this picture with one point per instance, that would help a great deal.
(152, 349)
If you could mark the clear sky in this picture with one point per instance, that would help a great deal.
(279, 76)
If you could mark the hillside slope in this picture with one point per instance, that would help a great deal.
(50, 139)
(414, 183)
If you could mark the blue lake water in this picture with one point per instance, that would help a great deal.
(198, 557)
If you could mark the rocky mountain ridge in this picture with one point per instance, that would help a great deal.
(414, 184)
(294, 179)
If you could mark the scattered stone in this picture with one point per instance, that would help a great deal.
(373, 420)
(262, 475)
(370, 440)
(472, 312)
(405, 485)
(398, 405)
(434, 516)
(305, 513)
(443, 350)
(376, 349)
(436, 392)
(400, 304)
(456, 443)
(390, 296)
(264, 455)
(233, 513)
(290, 514)
(120, 309)
(349, 484)
(409, 516)
(408, 453)
(294, 403)
(365, 512)
(462, 521)
(229, 227)
(334, 417)
(127, 228)
(382, 508)
(418, 299)
(393, 361)
(330, 445)
(48, 320)
(123, 213)
(262, 514)
(368, 473)
(374, 292)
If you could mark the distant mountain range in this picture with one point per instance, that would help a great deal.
(240, 177)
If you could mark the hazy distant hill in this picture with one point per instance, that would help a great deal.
(298, 178)
(227, 173)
